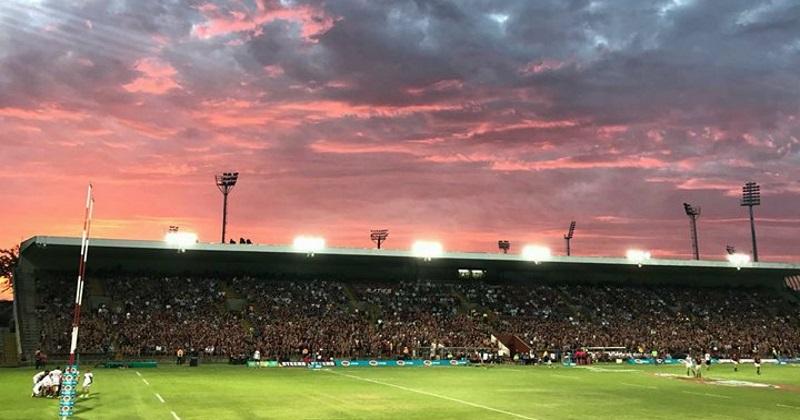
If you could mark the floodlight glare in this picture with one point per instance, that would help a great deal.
(182, 240)
(637, 257)
(309, 244)
(427, 249)
(738, 260)
(536, 253)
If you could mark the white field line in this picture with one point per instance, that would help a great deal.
(608, 370)
(706, 394)
(174, 415)
(638, 385)
(431, 394)
(788, 406)
(574, 378)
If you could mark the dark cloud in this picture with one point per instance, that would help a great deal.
(504, 116)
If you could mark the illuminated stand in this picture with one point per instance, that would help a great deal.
(69, 381)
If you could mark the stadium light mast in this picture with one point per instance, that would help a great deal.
(504, 246)
(225, 182)
(751, 196)
(693, 213)
(570, 235)
(378, 236)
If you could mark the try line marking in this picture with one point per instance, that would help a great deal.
(145, 382)
(175, 416)
(431, 394)
(159, 398)
(788, 406)
(139, 374)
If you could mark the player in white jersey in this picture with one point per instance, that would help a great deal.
(55, 379)
(38, 377)
(88, 380)
(689, 365)
(43, 387)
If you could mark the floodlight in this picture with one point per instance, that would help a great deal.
(182, 240)
(570, 234)
(225, 182)
(427, 249)
(504, 246)
(309, 244)
(378, 236)
(693, 213)
(637, 257)
(536, 253)
(738, 260)
(751, 196)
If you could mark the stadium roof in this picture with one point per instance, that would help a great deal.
(61, 254)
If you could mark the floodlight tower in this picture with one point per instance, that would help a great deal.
(730, 249)
(693, 213)
(225, 182)
(504, 246)
(378, 236)
(751, 196)
(569, 235)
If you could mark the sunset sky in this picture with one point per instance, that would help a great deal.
(460, 121)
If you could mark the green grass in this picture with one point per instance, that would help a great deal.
(226, 392)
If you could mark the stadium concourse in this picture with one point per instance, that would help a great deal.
(149, 299)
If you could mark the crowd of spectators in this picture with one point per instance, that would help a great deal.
(293, 318)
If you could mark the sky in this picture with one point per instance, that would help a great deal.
(460, 121)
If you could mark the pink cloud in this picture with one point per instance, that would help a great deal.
(440, 86)
(729, 187)
(218, 23)
(571, 163)
(325, 146)
(273, 70)
(542, 66)
(46, 113)
(156, 77)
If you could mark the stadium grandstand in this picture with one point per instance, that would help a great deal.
(146, 299)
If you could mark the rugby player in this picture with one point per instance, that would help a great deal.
(88, 380)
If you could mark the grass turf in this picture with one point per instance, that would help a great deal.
(235, 392)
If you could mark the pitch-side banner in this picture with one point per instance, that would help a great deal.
(361, 363)
(658, 361)
(399, 363)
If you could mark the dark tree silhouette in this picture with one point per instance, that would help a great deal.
(8, 261)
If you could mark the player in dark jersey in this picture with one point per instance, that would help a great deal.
(735, 360)
(757, 363)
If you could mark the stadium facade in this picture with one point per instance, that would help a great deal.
(43, 257)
